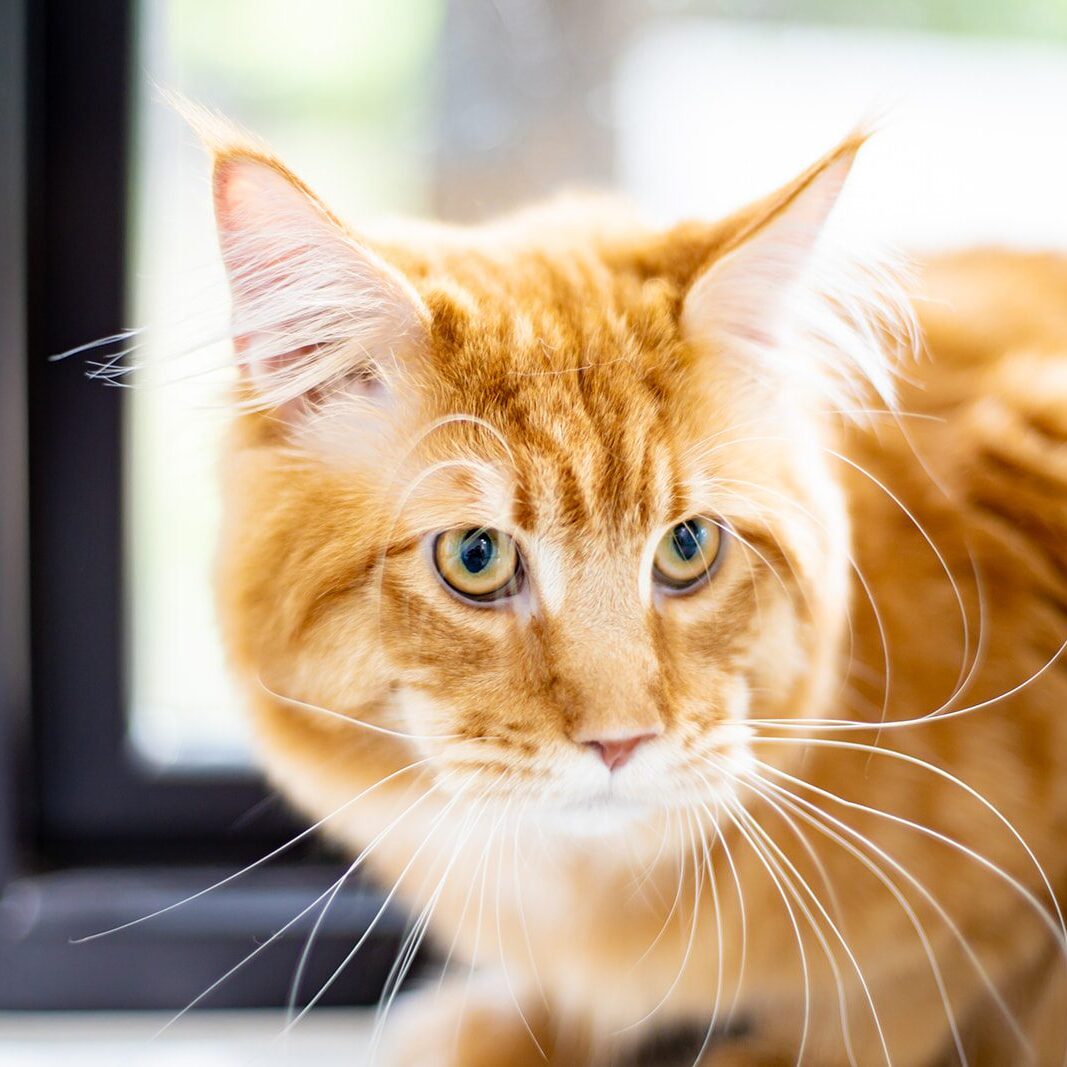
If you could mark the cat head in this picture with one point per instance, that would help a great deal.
(548, 501)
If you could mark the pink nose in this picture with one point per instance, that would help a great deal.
(617, 753)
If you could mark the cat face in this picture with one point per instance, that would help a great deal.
(548, 502)
(590, 624)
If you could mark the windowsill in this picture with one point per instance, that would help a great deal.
(221, 1039)
(168, 961)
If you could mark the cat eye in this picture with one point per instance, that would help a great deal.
(688, 554)
(478, 564)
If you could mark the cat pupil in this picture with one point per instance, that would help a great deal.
(686, 542)
(477, 552)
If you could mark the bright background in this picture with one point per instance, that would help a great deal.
(418, 105)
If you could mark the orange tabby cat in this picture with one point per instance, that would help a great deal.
(588, 581)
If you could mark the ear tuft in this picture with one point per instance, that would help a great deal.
(220, 135)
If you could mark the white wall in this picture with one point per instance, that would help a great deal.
(972, 145)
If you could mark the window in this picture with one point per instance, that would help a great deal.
(125, 782)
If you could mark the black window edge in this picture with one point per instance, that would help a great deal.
(14, 640)
(91, 800)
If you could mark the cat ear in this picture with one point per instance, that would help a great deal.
(313, 309)
(771, 282)
(741, 294)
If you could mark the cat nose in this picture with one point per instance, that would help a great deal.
(617, 753)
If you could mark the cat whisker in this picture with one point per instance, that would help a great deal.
(298, 974)
(966, 672)
(981, 644)
(463, 912)
(341, 716)
(570, 370)
(719, 948)
(641, 873)
(742, 914)
(101, 342)
(461, 417)
(698, 883)
(669, 917)
(352, 868)
(733, 816)
(865, 585)
(896, 415)
(958, 846)
(766, 562)
(706, 454)
(796, 803)
(808, 724)
(700, 452)
(273, 854)
(956, 592)
(305, 955)
(732, 532)
(653, 864)
(484, 862)
(1059, 927)
(795, 881)
(502, 821)
(518, 884)
(413, 939)
(353, 952)
(941, 715)
(802, 839)
(721, 480)
(983, 634)
(428, 472)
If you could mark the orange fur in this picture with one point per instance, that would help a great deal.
(565, 384)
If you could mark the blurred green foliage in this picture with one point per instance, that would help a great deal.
(986, 18)
(349, 56)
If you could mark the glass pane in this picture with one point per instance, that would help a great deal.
(751, 103)
(338, 87)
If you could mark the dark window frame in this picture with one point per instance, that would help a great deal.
(14, 644)
(93, 795)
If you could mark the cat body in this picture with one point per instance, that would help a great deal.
(632, 803)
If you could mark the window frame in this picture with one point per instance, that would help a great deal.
(93, 793)
(14, 648)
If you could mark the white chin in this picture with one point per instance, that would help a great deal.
(594, 815)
